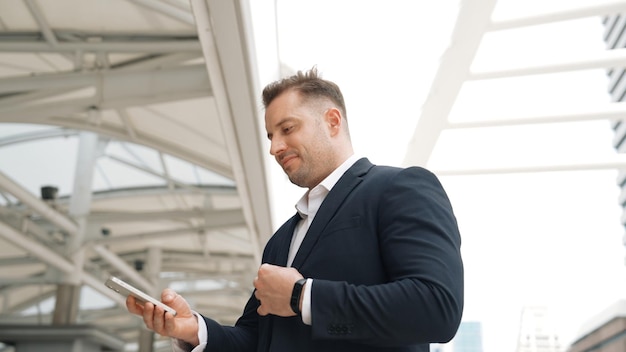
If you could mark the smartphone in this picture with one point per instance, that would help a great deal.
(125, 289)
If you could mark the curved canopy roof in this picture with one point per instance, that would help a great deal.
(139, 120)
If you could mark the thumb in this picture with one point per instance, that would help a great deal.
(168, 295)
(176, 301)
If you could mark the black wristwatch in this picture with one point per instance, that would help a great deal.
(295, 296)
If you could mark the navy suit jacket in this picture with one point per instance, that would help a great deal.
(384, 255)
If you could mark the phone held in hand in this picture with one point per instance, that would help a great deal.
(125, 289)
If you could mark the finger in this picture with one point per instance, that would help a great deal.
(262, 311)
(257, 295)
(158, 320)
(132, 306)
(260, 308)
(169, 322)
(176, 301)
(148, 315)
(264, 267)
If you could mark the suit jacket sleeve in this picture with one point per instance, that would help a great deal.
(251, 331)
(243, 336)
(419, 295)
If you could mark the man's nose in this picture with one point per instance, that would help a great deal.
(277, 146)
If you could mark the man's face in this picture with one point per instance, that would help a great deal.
(300, 139)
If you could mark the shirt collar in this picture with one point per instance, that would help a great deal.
(330, 181)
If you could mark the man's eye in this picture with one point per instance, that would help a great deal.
(288, 129)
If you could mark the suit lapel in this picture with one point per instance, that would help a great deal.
(284, 240)
(350, 179)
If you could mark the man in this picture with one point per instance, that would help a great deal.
(371, 261)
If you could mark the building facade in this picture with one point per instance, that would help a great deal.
(614, 37)
(605, 332)
(537, 332)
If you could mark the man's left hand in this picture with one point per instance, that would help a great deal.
(274, 285)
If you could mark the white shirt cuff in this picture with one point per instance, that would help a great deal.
(306, 302)
(203, 336)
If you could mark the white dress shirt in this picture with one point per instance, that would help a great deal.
(307, 207)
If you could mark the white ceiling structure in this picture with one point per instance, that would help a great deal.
(164, 94)
(455, 69)
(161, 166)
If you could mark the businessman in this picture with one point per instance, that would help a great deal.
(370, 262)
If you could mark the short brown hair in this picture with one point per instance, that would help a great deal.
(310, 85)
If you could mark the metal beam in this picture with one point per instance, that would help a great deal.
(598, 60)
(227, 44)
(157, 46)
(34, 97)
(119, 264)
(123, 90)
(473, 19)
(66, 305)
(128, 124)
(117, 85)
(198, 258)
(42, 294)
(560, 15)
(35, 248)
(89, 148)
(54, 132)
(153, 268)
(150, 171)
(119, 90)
(27, 225)
(611, 165)
(218, 218)
(168, 10)
(181, 4)
(608, 112)
(204, 190)
(158, 61)
(40, 207)
(37, 115)
(41, 22)
(56, 260)
(10, 261)
(169, 234)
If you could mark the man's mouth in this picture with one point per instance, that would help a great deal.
(287, 159)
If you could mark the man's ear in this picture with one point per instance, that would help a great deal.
(334, 120)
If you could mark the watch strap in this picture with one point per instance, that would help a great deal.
(295, 296)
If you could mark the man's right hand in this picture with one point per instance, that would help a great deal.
(183, 326)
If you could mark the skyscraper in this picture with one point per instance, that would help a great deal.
(469, 338)
(614, 37)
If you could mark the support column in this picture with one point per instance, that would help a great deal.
(66, 306)
(146, 340)
(68, 292)
(152, 269)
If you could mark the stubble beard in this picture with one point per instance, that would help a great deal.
(299, 176)
(310, 173)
